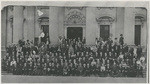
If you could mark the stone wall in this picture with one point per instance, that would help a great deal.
(27, 26)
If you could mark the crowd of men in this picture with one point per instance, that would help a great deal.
(73, 58)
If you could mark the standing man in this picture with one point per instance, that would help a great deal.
(46, 38)
(42, 35)
(139, 51)
(121, 40)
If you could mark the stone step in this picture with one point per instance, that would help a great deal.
(6, 73)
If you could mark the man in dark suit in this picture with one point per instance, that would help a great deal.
(139, 51)
(88, 70)
(125, 48)
(121, 40)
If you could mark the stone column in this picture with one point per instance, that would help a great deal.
(144, 37)
(120, 22)
(30, 23)
(129, 22)
(18, 21)
(9, 17)
(9, 31)
(3, 30)
(144, 29)
(53, 24)
(61, 20)
(91, 26)
(37, 24)
(25, 25)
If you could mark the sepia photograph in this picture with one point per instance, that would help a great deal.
(88, 42)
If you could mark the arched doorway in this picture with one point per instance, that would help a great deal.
(74, 32)
(74, 24)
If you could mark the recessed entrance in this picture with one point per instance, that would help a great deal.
(104, 32)
(137, 38)
(74, 32)
(45, 29)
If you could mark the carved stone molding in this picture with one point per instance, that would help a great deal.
(11, 21)
(70, 8)
(110, 8)
(75, 17)
(105, 19)
(143, 8)
(43, 19)
(11, 8)
(139, 20)
(42, 7)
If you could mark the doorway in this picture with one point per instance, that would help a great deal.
(104, 32)
(74, 32)
(137, 36)
(45, 29)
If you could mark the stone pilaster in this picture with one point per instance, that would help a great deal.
(53, 24)
(120, 22)
(129, 22)
(91, 26)
(3, 31)
(30, 23)
(17, 24)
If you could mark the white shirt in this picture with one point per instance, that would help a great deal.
(138, 62)
(103, 68)
(121, 56)
(13, 63)
(135, 51)
(142, 59)
(42, 34)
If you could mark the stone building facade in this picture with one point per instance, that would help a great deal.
(20, 22)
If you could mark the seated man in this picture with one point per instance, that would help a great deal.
(84, 69)
(53, 68)
(139, 70)
(88, 70)
(80, 69)
(13, 65)
(103, 70)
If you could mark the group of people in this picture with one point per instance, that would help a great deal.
(72, 57)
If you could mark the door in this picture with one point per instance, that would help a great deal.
(45, 29)
(74, 32)
(137, 36)
(104, 32)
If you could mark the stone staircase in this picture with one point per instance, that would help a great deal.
(6, 73)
